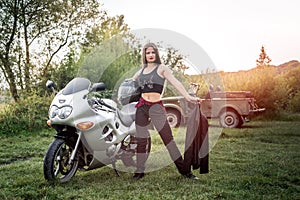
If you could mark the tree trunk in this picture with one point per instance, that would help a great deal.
(10, 78)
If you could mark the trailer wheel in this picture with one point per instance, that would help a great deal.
(230, 119)
(173, 117)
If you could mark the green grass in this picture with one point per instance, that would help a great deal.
(259, 161)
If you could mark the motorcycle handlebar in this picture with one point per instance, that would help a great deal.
(106, 105)
(100, 101)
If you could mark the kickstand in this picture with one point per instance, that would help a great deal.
(115, 168)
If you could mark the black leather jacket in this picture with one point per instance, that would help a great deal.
(196, 144)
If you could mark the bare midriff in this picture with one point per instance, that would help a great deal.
(151, 96)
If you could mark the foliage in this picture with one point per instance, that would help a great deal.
(260, 161)
(106, 94)
(76, 38)
(264, 59)
(274, 88)
(106, 30)
(63, 73)
(174, 60)
(170, 90)
(50, 25)
(109, 61)
(30, 113)
(294, 105)
(118, 58)
(206, 80)
(260, 81)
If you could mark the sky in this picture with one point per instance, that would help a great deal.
(231, 32)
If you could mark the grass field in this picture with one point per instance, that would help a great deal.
(259, 161)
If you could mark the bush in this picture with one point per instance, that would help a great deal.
(295, 103)
(27, 114)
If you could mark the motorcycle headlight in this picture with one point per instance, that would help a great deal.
(64, 112)
(53, 111)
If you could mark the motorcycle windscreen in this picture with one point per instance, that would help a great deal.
(76, 85)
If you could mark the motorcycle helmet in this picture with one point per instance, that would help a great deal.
(128, 92)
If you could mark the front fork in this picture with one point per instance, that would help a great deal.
(75, 148)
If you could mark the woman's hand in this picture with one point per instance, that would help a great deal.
(193, 99)
(167, 74)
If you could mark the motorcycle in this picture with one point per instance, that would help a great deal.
(91, 131)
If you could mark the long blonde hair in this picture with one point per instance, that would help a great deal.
(157, 57)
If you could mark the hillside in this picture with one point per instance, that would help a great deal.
(284, 67)
(288, 65)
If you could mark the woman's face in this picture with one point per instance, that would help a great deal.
(150, 55)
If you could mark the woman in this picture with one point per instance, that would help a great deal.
(151, 79)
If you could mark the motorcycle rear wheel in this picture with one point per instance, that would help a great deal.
(56, 161)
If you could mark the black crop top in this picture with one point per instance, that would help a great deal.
(151, 82)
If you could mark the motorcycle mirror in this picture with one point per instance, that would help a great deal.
(49, 84)
(98, 87)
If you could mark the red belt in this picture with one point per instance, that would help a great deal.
(142, 101)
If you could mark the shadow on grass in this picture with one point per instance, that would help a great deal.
(106, 176)
(243, 127)
(12, 160)
(252, 126)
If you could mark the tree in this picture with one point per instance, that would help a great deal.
(111, 53)
(263, 59)
(32, 34)
(108, 51)
(103, 31)
(97, 45)
(174, 60)
(109, 61)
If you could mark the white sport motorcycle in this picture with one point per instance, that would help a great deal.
(91, 131)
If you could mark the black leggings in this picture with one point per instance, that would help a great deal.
(157, 114)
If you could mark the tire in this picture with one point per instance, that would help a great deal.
(230, 119)
(173, 117)
(56, 162)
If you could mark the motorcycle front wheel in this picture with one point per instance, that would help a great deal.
(56, 161)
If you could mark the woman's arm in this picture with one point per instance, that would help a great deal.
(167, 73)
(136, 75)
